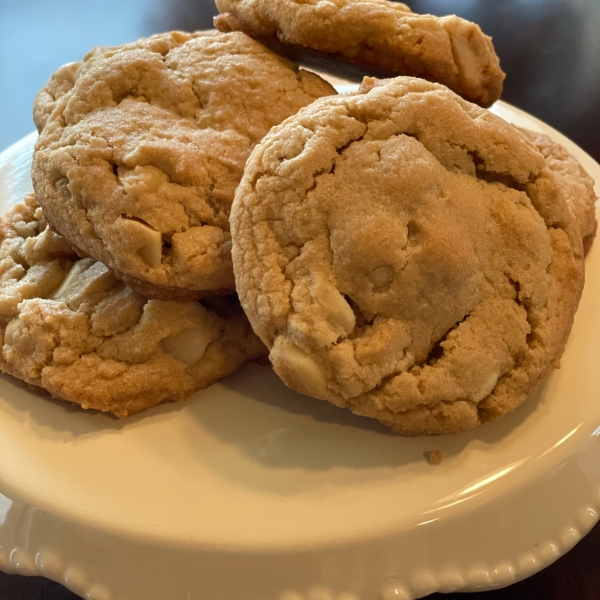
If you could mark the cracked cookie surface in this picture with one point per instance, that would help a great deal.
(61, 81)
(378, 37)
(137, 163)
(69, 326)
(407, 255)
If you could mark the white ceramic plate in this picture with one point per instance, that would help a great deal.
(248, 491)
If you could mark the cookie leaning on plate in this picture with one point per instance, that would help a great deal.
(137, 164)
(408, 255)
(372, 37)
(69, 326)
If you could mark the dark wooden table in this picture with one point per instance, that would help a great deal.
(550, 50)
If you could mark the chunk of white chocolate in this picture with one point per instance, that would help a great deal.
(86, 279)
(381, 276)
(143, 179)
(75, 272)
(188, 346)
(337, 309)
(146, 241)
(129, 100)
(298, 369)
(465, 55)
(488, 386)
(151, 252)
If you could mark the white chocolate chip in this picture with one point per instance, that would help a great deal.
(188, 346)
(76, 271)
(151, 252)
(381, 276)
(466, 58)
(298, 369)
(337, 310)
(129, 100)
(488, 386)
(87, 281)
(146, 240)
(144, 179)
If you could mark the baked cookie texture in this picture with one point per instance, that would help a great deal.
(407, 255)
(137, 164)
(378, 37)
(69, 326)
(577, 186)
(61, 81)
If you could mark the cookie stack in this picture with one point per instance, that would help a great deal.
(401, 251)
(119, 289)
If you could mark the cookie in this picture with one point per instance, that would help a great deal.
(69, 326)
(352, 38)
(407, 255)
(576, 184)
(137, 164)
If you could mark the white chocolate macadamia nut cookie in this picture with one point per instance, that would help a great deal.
(372, 37)
(407, 255)
(136, 165)
(69, 326)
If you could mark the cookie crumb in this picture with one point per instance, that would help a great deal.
(435, 457)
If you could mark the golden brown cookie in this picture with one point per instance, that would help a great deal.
(407, 255)
(69, 326)
(577, 186)
(352, 38)
(137, 164)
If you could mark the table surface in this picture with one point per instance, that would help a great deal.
(550, 50)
